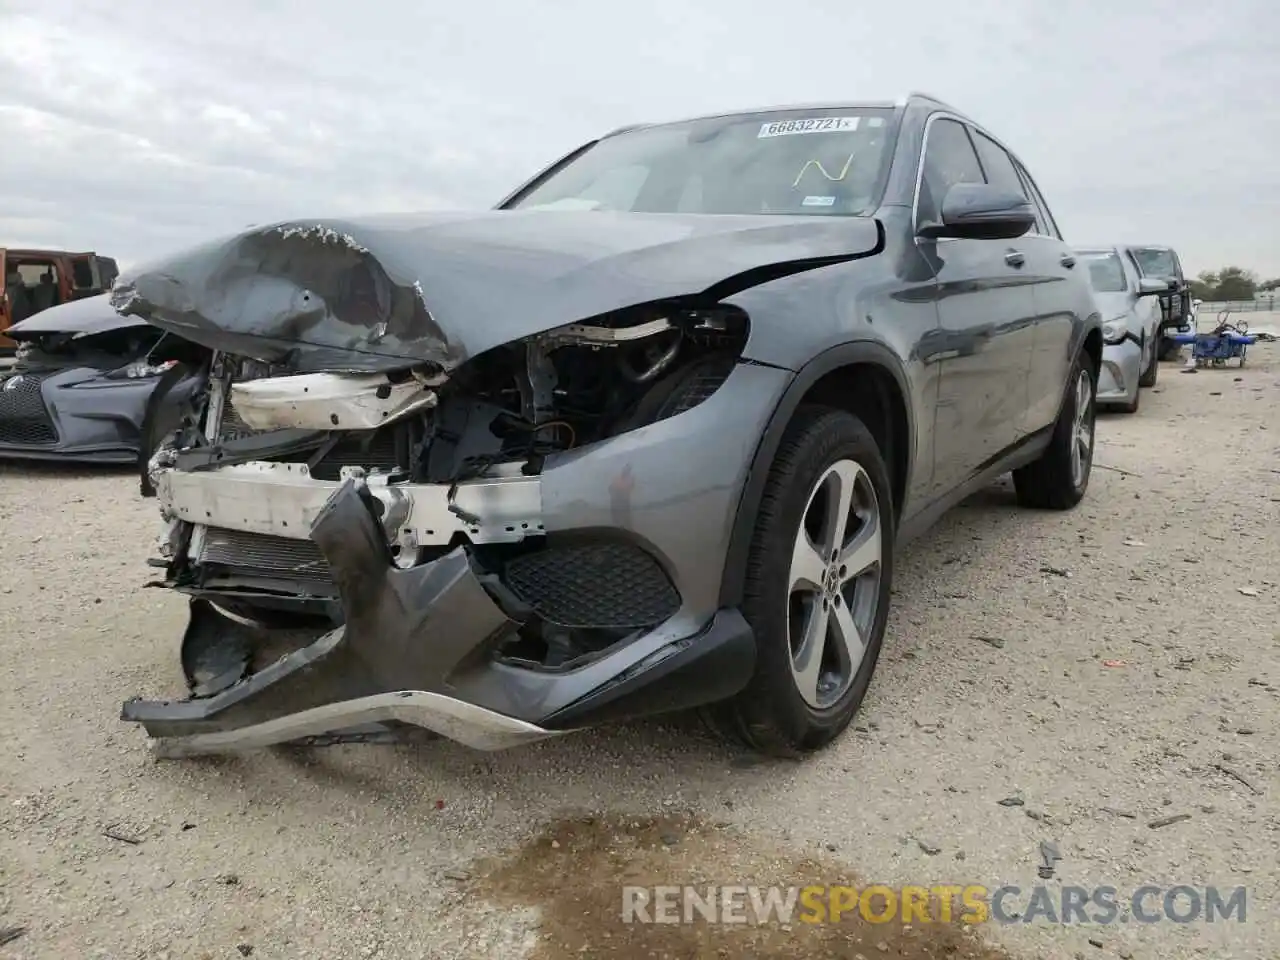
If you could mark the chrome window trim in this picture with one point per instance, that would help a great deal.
(1019, 166)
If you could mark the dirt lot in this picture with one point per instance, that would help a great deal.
(1100, 672)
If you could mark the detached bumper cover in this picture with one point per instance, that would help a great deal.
(410, 640)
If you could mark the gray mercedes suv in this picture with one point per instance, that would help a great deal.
(643, 438)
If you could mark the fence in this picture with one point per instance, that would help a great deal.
(1211, 308)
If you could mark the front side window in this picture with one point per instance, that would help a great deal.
(949, 159)
(1106, 271)
(812, 162)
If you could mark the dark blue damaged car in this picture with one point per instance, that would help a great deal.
(644, 438)
(86, 384)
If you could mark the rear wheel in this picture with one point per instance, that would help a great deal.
(1059, 478)
(1168, 349)
(817, 586)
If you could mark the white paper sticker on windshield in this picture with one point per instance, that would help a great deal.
(818, 202)
(786, 128)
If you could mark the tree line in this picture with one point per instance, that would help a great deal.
(1231, 283)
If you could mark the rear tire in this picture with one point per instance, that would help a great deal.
(1168, 349)
(1059, 478)
(1152, 373)
(818, 623)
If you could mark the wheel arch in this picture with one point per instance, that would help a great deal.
(864, 378)
(1092, 346)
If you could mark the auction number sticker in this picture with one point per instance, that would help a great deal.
(787, 128)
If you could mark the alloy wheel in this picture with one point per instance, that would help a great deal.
(834, 583)
(1082, 428)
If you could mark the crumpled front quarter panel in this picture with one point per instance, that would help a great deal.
(674, 486)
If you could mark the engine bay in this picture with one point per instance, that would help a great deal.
(451, 461)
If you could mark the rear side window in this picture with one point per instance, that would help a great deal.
(1049, 227)
(999, 167)
(949, 158)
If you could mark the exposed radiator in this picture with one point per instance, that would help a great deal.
(264, 555)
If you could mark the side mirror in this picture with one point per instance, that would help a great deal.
(979, 211)
(1150, 286)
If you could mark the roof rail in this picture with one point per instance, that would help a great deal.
(921, 95)
(625, 129)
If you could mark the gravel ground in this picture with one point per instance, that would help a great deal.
(1100, 671)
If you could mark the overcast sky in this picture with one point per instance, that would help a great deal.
(138, 126)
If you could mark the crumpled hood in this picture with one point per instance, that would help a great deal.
(80, 318)
(377, 293)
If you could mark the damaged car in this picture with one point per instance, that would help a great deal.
(1130, 328)
(644, 438)
(90, 385)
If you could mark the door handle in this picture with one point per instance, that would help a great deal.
(1014, 259)
(1068, 261)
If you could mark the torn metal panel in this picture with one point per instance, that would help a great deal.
(385, 293)
(283, 500)
(328, 401)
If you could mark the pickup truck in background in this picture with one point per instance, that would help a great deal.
(35, 280)
(1178, 314)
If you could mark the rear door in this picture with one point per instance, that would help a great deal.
(986, 312)
(1064, 300)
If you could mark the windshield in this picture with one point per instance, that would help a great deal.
(819, 162)
(1156, 263)
(1106, 272)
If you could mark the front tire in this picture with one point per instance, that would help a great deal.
(1152, 373)
(817, 586)
(1059, 478)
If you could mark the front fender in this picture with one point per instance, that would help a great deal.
(857, 352)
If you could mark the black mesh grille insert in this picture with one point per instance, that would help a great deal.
(23, 416)
(261, 554)
(602, 585)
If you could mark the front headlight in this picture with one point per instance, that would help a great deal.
(140, 369)
(1113, 331)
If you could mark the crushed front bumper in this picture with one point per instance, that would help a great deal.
(1121, 368)
(415, 645)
